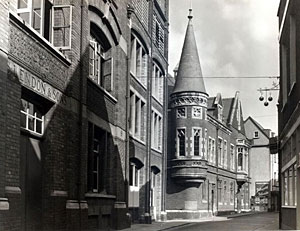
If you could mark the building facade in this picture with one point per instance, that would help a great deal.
(207, 146)
(288, 113)
(263, 168)
(82, 113)
(148, 71)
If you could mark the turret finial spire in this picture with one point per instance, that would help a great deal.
(190, 13)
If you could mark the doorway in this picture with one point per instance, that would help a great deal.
(31, 182)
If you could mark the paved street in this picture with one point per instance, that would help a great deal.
(258, 221)
(262, 221)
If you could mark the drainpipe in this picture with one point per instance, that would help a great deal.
(81, 150)
(217, 163)
(148, 218)
(130, 10)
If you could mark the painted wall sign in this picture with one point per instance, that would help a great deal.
(35, 84)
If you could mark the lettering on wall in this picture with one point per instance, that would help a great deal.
(35, 84)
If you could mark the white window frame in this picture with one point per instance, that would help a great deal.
(178, 142)
(232, 157)
(140, 119)
(156, 130)
(68, 47)
(35, 118)
(157, 82)
(225, 155)
(142, 79)
(195, 114)
(255, 134)
(135, 178)
(220, 151)
(200, 142)
(30, 11)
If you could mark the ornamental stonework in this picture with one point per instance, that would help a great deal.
(189, 101)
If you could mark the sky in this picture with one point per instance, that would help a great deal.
(235, 38)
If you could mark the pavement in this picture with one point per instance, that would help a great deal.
(215, 223)
(171, 224)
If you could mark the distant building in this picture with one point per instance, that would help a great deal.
(208, 151)
(263, 171)
(289, 114)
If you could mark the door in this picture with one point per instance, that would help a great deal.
(31, 182)
(213, 199)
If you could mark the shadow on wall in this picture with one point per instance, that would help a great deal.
(59, 167)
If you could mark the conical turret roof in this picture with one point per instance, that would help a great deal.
(189, 77)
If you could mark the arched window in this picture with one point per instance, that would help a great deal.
(157, 82)
(240, 160)
(139, 60)
(100, 60)
(181, 142)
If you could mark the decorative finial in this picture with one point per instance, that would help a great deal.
(190, 13)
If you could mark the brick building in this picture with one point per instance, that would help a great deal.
(82, 90)
(263, 172)
(207, 146)
(288, 113)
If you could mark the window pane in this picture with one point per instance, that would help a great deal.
(131, 175)
(25, 16)
(23, 120)
(136, 181)
(39, 125)
(22, 4)
(30, 123)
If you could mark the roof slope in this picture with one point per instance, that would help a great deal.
(189, 77)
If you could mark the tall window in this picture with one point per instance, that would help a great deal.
(53, 22)
(225, 154)
(139, 60)
(98, 147)
(137, 116)
(156, 131)
(231, 192)
(220, 152)
(211, 150)
(133, 175)
(240, 159)
(219, 191)
(157, 82)
(204, 191)
(225, 192)
(181, 142)
(100, 68)
(197, 141)
(31, 117)
(232, 157)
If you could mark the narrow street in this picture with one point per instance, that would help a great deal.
(261, 221)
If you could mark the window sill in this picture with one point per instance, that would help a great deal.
(99, 195)
(137, 139)
(138, 80)
(32, 32)
(31, 133)
(156, 150)
(288, 206)
(134, 188)
(112, 98)
(158, 101)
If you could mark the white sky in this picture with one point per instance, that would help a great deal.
(234, 38)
